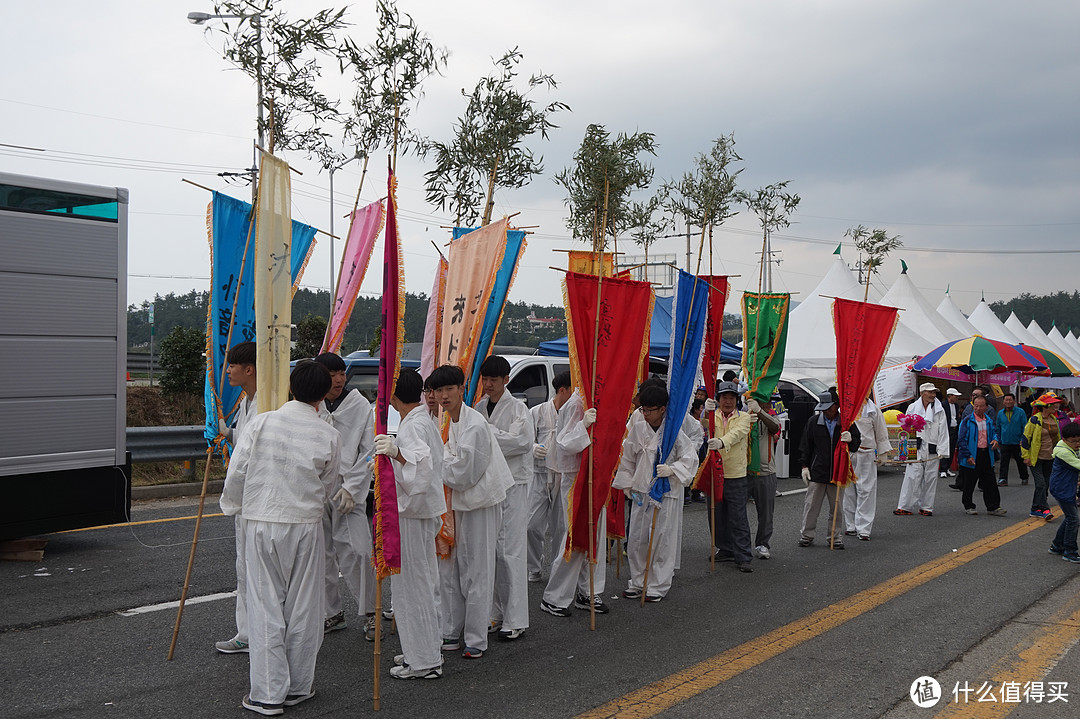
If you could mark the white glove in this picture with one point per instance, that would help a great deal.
(344, 501)
(710, 405)
(590, 417)
(753, 419)
(665, 470)
(845, 436)
(224, 430)
(753, 406)
(384, 444)
(539, 451)
(806, 476)
(716, 444)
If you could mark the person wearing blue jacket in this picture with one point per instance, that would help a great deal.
(977, 443)
(1063, 480)
(1010, 422)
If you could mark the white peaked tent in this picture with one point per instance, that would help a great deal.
(1073, 342)
(1061, 346)
(919, 315)
(1017, 328)
(989, 325)
(811, 340)
(948, 309)
(1041, 340)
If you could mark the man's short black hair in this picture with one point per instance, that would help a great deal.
(698, 404)
(446, 376)
(495, 366)
(1072, 429)
(309, 381)
(651, 382)
(243, 353)
(652, 395)
(730, 376)
(982, 397)
(561, 380)
(331, 361)
(1008, 394)
(409, 386)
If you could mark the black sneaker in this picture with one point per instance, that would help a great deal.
(268, 710)
(553, 610)
(582, 602)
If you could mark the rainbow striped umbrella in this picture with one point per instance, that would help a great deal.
(1055, 365)
(976, 354)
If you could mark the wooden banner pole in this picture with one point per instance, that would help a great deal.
(191, 555)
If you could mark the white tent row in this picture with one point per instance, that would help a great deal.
(919, 315)
(989, 325)
(1058, 339)
(948, 309)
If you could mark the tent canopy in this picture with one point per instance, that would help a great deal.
(659, 337)
(990, 326)
(948, 309)
(919, 315)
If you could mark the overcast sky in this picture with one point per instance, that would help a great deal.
(953, 124)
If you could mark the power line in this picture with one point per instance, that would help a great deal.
(122, 119)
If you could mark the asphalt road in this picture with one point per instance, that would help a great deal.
(811, 633)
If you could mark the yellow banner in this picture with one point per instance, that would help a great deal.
(273, 283)
(586, 262)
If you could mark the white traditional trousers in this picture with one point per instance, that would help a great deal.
(241, 582)
(417, 589)
(285, 564)
(919, 487)
(860, 501)
(665, 542)
(543, 507)
(467, 578)
(511, 601)
(573, 574)
(348, 552)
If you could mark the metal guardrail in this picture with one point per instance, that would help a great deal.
(165, 444)
(141, 362)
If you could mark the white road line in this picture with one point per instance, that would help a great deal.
(174, 605)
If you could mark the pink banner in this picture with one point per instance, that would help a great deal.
(364, 228)
(1000, 378)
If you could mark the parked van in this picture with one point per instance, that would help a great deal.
(531, 375)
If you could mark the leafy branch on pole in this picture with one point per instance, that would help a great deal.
(389, 75)
(644, 225)
(285, 58)
(876, 245)
(773, 207)
(706, 195)
(598, 186)
(488, 143)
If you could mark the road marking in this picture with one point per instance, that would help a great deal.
(1030, 660)
(145, 521)
(658, 696)
(174, 605)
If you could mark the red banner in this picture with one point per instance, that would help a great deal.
(608, 326)
(387, 534)
(863, 334)
(710, 477)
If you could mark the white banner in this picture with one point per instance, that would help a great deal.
(894, 385)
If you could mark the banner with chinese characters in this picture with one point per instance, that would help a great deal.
(474, 260)
(230, 315)
(387, 533)
(493, 311)
(863, 333)
(433, 323)
(711, 472)
(587, 262)
(608, 325)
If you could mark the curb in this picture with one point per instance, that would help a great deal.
(184, 489)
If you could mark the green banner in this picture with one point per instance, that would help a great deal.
(765, 323)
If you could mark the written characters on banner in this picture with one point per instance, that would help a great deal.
(894, 385)
(927, 692)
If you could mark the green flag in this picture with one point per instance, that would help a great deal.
(765, 321)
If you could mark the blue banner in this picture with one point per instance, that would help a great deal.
(688, 315)
(232, 298)
(504, 278)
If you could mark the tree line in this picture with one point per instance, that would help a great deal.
(1061, 307)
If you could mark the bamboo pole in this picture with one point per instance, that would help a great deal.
(271, 152)
(648, 556)
(378, 644)
(191, 556)
(201, 187)
(490, 204)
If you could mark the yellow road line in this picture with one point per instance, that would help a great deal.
(654, 698)
(145, 521)
(1031, 660)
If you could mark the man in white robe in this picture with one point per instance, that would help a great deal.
(346, 527)
(283, 472)
(860, 502)
(478, 476)
(638, 469)
(512, 424)
(240, 371)
(570, 574)
(920, 477)
(417, 452)
(543, 492)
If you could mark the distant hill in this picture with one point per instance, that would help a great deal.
(189, 310)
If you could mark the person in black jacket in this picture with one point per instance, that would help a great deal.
(819, 440)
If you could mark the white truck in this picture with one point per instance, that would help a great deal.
(63, 355)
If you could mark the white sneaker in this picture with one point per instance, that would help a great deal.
(534, 576)
(406, 672)
(763, 552)
(943, 475)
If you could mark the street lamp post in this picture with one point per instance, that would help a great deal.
(200, 18)
(332, 169)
